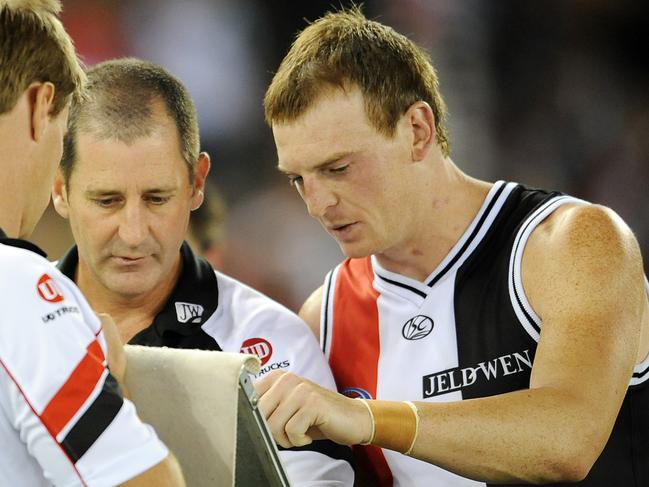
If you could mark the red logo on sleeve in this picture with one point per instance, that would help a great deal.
(48, 290)
(259, 347)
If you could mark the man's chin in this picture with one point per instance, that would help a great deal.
(129, 286)
(355, 250)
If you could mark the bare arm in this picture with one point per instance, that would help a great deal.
(583, 276)
(310, 311)
(556, 429)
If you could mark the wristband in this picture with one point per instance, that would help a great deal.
(369, 442)
(414, 438)
(395, 425)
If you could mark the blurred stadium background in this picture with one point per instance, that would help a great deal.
(553, 94)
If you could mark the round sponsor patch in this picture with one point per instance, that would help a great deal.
(259, 347)
(417, 328)
(48, 290)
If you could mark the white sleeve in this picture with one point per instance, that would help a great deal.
(65, 407)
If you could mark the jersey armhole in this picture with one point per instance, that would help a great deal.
(326, 313)
(526, 315)
(641, 370)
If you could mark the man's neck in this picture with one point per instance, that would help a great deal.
(131, 313)
(455, 204)
(16, 163)
(10, 213)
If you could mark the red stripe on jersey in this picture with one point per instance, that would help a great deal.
(355, 346)
(76, 390)
(29, 404)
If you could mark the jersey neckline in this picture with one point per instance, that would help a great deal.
(20, 243)
(466, 244)
(193, 300)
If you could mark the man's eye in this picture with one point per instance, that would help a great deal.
(105, 202)
(339, 169)
(158, 200)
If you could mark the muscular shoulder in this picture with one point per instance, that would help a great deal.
(585, 225)
(580, 250)
(591, 234)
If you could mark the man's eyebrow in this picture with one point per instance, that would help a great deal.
(110, 192)
(101, 192)
(327, 162)
(168, 189)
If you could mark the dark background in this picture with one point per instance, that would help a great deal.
(552, 94)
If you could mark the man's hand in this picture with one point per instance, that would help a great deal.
(116, 355)
(299, 411)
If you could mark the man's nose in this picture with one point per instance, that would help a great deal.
(318, 197)
(133, 227)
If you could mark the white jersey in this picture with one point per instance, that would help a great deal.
(63, 420)
(210, 311)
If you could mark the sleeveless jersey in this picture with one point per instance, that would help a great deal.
(467, 332)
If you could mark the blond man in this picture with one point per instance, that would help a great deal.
(63, 419)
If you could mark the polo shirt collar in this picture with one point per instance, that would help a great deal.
(193, 300)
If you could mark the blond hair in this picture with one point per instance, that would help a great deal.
(35, 47)
(344, 48)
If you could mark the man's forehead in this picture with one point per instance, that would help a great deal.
(334, 104)
(160, 142)
(320, 144)
(97, 132)
(332, 114)
(150, 157)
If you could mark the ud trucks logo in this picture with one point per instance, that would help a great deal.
(417, 328)
(48, 290)
(188, 312)
(259, 347)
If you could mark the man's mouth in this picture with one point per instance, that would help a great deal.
(342, 229)
(128, 260)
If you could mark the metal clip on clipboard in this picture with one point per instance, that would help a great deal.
(257, 458)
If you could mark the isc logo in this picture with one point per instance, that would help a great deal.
(259, 347)
(48, 290)
(417, 328)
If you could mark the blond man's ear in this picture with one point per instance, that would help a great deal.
(60, 195)
(41, 99)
